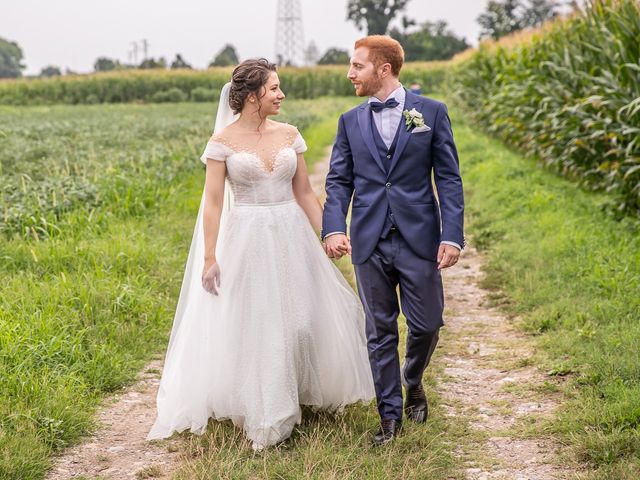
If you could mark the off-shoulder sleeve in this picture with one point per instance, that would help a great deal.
(299, 144)
(215, 151)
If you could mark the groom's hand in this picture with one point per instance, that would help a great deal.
(337, 245)
(447, 256)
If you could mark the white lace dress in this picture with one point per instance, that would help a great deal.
(286, 329)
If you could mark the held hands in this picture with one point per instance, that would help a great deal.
(211, 277)
(337, 245)
(447, 256)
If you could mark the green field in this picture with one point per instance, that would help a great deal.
(98, 209)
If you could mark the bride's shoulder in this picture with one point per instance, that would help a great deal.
(221, 138)
(292, 137)
(284, 128)
(221, 143)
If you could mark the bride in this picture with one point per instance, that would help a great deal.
(269, 324)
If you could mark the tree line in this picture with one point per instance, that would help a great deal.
(426, 41)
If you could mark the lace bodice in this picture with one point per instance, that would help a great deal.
(258, 177)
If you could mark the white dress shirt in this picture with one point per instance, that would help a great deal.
(387, 121)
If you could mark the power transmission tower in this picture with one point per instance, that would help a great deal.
(289, 33)
(134, 51)
(145, 48)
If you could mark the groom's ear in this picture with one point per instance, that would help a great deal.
(385, 70)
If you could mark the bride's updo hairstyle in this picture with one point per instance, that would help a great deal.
(247, 78)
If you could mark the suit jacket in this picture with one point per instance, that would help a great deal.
(405, 188)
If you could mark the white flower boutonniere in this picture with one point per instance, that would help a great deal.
(413, 118)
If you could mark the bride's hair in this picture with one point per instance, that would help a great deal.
(247, 78)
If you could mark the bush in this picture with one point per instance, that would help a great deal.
(172, 95)
(201, 94)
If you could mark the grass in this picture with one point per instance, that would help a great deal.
(570, 272)
(86, 303)
(328, 446)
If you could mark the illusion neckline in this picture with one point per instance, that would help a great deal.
(255, 154)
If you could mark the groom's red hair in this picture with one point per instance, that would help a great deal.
(383, 49)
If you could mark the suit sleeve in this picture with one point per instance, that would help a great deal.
(339, 184)
(447, 179)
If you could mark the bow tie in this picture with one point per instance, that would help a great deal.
(379, 106)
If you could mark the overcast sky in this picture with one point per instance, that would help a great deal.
(73, 33)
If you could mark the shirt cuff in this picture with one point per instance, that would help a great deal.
(332, 233)
(453, 244)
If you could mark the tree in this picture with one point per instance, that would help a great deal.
(334, 56)
(407, 23)
(179, 62)
(539, 11)
(151, 63)
(500, 18)
(10, 58)
(432, 41)
(104, 64)
(50, 71)
(374, 14)
(225, 57)
(506, 16)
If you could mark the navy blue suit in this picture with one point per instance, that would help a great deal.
(397, 224)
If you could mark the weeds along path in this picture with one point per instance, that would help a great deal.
(490, 381)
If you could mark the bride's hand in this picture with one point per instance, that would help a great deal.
(211, 277)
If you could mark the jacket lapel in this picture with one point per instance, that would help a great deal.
(364, 121)
(410, 102)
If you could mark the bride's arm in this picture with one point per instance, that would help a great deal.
(214, 198)
(305, 196)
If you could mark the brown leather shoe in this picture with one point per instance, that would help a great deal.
(415, 405)
(389, 429)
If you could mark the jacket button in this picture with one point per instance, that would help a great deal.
(388, 185)
(388, 156)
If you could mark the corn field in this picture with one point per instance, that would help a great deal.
(568, 94)
(158, 86)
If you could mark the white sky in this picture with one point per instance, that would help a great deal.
(73, 33)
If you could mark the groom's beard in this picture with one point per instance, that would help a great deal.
(371, 86)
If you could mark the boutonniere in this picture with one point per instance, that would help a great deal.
(413, 119)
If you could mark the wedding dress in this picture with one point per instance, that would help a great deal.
(286, 328)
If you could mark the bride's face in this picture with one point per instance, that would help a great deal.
(271, 96)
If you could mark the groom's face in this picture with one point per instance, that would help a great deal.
(363, 73)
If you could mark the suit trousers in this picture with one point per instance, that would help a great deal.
(394, 264)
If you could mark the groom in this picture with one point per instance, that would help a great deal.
(402, 231)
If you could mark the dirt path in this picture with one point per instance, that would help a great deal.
(119, 450)
(490, 380)
(487, 381)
